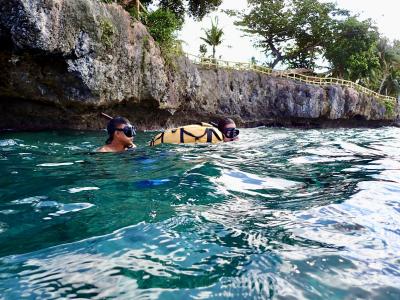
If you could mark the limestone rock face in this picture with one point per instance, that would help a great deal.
(257, 99)
(80, 51)
(64, 61)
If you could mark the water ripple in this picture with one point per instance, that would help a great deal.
(285, 214)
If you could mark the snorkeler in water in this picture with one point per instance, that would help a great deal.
(224, 131)
(228, 128)
(120, 136)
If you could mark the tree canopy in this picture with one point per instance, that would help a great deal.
(303, 33)
(162, 25)
(196, 9)
(389, 61)
(292, 32)
(352, 49)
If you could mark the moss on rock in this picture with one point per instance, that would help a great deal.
(107, 32)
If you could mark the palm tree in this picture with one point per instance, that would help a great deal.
(213, 35)
(392, 85)
(389, 59)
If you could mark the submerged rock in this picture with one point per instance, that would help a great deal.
(64, 61)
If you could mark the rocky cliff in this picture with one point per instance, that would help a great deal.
(64, 61)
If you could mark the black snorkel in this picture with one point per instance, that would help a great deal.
(106, 116)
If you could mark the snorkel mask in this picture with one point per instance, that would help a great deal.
(231, 133)
(128, 130)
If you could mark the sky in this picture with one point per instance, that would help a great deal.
(235, 47)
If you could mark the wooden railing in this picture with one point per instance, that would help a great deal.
(139, 6)
(321, 81)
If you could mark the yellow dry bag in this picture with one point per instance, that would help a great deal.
(195, 133)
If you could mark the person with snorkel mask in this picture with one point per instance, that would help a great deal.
(223, 131)
(120, 135)
(228, 128)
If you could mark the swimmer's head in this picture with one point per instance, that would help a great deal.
(228, 128)
(120, 129)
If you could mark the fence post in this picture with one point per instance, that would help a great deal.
(137, 9)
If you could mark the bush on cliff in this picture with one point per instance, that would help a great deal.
(163, 25)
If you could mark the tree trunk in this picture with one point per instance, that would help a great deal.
(276, 53)
(213, 51)
(275, 62)
(311, 63)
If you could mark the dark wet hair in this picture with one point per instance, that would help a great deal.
(223, 122)
(112, 124)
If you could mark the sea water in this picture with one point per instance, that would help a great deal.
(283, 214)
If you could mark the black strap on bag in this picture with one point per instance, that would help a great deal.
(196, 138)
(210, 133)
(161, 136)
(213, 132)
(182, 139)
(217, 136)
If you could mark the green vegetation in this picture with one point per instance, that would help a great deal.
(302, 33)
(352, 50)
(165, 21)
(196, 9)
(213, 35)
(389, 61)
(390, 107)
(291, 32)
(107, 32)
(163, 25)
(203, 50)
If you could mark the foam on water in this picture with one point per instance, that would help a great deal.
(55, 164)
(81, 189)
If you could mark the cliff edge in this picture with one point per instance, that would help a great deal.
(64, 61)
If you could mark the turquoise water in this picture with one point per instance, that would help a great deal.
(283, 214)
